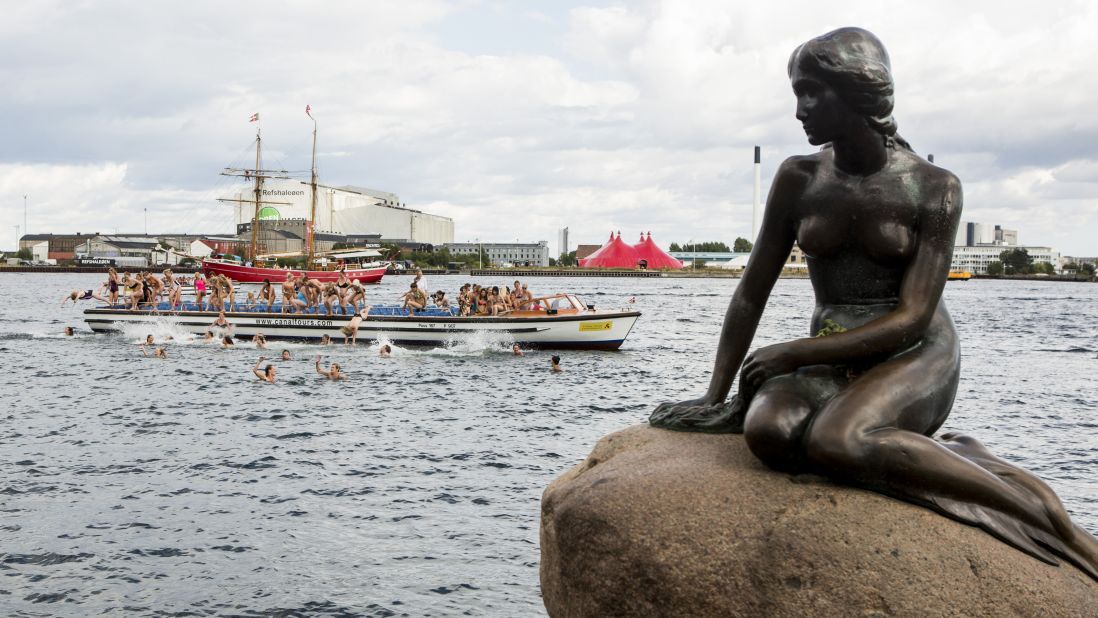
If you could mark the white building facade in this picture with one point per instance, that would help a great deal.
(499, 254)
(345, 210)
(976, 259)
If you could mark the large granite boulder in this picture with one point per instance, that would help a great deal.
(659, 523)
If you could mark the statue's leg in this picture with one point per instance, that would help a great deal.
(780, 413)
(873, 434)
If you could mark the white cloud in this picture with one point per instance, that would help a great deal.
(639, 115)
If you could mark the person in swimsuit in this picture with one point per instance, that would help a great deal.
(199, 289)
(289, 292)
(414, 299)
(516, 350)
(159, 352)
(385, 351)
(350, 330)
(268, 373)
(332, 298)
(861, 404)
(332, 373)
(134, 290)
(222, 325)
(226, 342)
(554, 364)
(69, 331)
(355, 294)
(113, 284)
(285, 355)
(260, 341)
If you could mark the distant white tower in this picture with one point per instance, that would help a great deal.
(756, 211)
(562, 241)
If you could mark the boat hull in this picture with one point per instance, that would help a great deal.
(592, 330)
(253, 274)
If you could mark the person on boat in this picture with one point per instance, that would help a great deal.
(350, 330)
(289, 292)
(861, 404)
(113, 285)
(555, 364)
(216, 299)
(342, 282)
(330, 294)
(134, 290)
(226, 342)
(285, 355)
(516, 350)
(483, 306)
(159, 352)
(199, 290)
(175, 296)
(312, 290)
(332, 373)
(495, 301)
(260, 341)
(267, 295)
(153, 289)
(414, 299)
(249, 301)
(440, 300)
(228, 292)
(268, 373)
(356, 294)
(385, 351)
(69, 331)
(168, 284)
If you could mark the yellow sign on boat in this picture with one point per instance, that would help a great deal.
(604, 325)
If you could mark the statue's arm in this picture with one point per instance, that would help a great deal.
(920, 292)
(768, 257)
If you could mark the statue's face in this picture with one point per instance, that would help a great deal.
(824, 116)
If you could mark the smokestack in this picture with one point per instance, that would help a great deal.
(756, 211)
(930, 158)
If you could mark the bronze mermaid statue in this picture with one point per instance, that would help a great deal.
(859, 405)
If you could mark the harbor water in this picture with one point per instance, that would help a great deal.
(185, 487)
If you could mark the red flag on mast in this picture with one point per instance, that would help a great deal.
(308, 111)
(254, 118)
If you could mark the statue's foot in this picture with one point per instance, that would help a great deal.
(724, 417)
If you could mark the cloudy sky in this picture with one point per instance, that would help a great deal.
(518, 118)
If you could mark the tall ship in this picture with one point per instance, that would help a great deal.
(360, 264)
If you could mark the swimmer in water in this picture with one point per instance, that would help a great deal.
(385, 351)
(148, 339)
(332, 373)
(209, 336)
(226, 342)
(268, 373)
(517, 351)
(285, 355)
(555, 367)
(159, 352)
(325, 340)
(260, 341)
(68, 331)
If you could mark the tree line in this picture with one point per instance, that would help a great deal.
(740, 245)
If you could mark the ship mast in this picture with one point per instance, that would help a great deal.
(258, 195)
(257, 201)
(309, 240)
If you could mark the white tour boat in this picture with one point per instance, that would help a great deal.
(559, 321)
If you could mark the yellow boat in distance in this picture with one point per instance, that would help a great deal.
(959, 275)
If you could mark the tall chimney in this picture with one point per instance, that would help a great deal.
(756, 211)
(930, 158)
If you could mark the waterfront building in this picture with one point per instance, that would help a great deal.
(975, 259)
(972, 234)
(562, 241)
(500, 254)
(345, 211)
(585, 251)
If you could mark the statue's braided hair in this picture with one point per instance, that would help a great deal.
(855, 64)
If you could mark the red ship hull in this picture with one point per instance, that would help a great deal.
(253, 274)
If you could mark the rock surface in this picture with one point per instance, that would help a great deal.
(659, 523)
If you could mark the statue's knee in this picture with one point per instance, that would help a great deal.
(772, 442)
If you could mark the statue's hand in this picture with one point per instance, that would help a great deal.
(701, 415)
(765, 363)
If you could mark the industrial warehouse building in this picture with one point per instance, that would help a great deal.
(343, 211)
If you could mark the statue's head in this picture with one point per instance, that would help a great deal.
(851, 66)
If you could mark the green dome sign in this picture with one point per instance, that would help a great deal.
(267, 213)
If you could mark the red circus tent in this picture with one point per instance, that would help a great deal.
(651, 253)
(616, 253)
